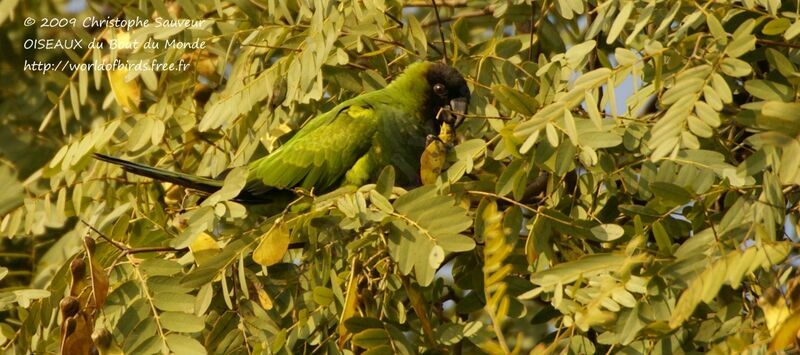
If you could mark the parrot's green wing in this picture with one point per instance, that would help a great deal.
(320, 154)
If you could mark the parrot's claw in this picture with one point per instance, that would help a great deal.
(303, 192)
(430, 139)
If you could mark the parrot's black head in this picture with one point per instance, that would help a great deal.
(447, 95)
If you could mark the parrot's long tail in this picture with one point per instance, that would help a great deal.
(206, 185)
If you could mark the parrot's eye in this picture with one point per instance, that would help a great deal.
(440, 90)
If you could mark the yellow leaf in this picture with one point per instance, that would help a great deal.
(787, 333)
(446, 134)
(127, 94)
(432, 161)
(775, 310)
(204, 248)
(264, 299)
(273, 246)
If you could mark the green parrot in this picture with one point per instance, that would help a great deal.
(349, 144)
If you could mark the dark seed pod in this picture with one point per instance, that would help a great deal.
(78, 269)
(69, 326)
(102, 338)
(89, 242)
(69, 306)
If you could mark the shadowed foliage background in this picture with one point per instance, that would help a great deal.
(626, 180)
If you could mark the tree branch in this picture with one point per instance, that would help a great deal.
(487, 11)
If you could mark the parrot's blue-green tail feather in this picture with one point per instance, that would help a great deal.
(202, 184)
(206, 185)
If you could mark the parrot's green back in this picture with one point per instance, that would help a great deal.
(347, 145)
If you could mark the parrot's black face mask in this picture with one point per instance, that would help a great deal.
(448, 95)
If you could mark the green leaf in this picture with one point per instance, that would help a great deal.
(209, 271)
(776, 26)
(783, 110)
(586, 267)
(778, 60)
(729, 269)
(511, 176)
(323, 296)
(683, 88)
(359, 324)
(421, 219)
(234, 183)
(418, 34)
(600, 140)
(591, 109)
(577, 55)
(769, 90)
(24, 297)
(174, 302)
(707, 114)
(379, 350)
(456, 243)
(607, 232)
(735, 67)
(625, 56)
(181, 322)
(715, 27)
(385, 182)
(619, 22)
(380, 201)
(628, 325)
(160, 267)
(515, 100)
(181, 344)
(741, 45)
(662, 238)
(200, 220)
(721, 87)
(371, 338)
(792, 31)
(507, 47)
(698, 127)
(436, 256)
(670, 193)
(141, 134)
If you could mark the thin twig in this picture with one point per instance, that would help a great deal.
(441, 33)
(395, 19)
(418, 305)
(776, 43)
(126, 250)
(480, 117)
(150, 250)
(117, 245)
(485, 12)
(506, 199)
(445, 4)
(297, 245)
(272, 47)
(530, 45)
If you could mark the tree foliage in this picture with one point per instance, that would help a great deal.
(626, 181)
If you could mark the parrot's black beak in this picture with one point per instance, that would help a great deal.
(453, 114)
(459, 106)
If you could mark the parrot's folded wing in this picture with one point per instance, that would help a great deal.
(319, 155)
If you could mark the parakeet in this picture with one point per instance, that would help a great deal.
(351, 143)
